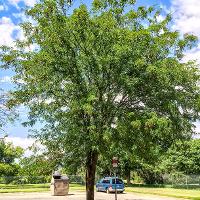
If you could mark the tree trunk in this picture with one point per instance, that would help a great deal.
(90, 174)
(128, 171)
(128, 176)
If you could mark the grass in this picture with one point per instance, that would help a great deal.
(8, 188)
(193, 194)
(76, 187)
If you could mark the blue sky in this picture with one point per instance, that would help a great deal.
(186, 19)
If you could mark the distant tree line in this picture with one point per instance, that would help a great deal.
(182, 157)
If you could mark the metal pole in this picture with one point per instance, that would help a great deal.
(115, 164)
(115, 186)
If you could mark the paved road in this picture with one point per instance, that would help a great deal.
(80, 196)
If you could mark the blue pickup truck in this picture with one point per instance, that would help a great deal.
(107, 184)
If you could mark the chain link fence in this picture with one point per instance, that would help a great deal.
(21, 180)
(176, 180)
(180, 180)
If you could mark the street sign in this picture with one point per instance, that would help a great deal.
(115, 165)
(115, 162)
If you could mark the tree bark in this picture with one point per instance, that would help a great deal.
(128, 171)
(90, 174)
(128, 176)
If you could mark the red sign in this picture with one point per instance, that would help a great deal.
(115, 162)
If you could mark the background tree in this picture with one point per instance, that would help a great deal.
(96, 72)
(8, 165)
(183, 157)
(36, 169)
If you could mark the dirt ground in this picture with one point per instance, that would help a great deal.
(80, 196)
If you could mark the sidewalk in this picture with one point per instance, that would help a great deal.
(80, 196)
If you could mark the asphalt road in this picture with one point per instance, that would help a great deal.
(80, 196)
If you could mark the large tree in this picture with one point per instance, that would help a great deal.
(105, 76)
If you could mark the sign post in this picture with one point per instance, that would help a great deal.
(115, 165)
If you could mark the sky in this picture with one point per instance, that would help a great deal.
(186, 19)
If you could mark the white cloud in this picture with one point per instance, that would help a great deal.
(26, 2)
(160, 18)
(20, 15)
(165, 8)
(25, 143)
(193, 55)
(197, 129)
(19, 141)
(7, 27)
(6, 79)
(22, 142)
(30, 2)
(1, 7)
(14, 1)
(186, 17)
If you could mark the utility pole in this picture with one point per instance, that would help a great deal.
(115, 165)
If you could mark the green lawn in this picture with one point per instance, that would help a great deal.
(193, 194)
(77, 187)
(7, 188)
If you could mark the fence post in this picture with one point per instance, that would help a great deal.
(186, 181)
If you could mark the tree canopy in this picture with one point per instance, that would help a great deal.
(103, 77)
(8, 154)
(183, 157)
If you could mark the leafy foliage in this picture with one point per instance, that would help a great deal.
(104, 77)
(8, 154)
(38, 167)
(183, 157)
(5, 113)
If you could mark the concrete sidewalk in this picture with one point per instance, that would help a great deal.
(80, 196)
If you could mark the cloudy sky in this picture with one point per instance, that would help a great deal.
(186, 18)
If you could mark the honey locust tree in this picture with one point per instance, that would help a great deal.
(96, 71)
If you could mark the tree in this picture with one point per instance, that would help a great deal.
(36, 169)
(39, 166)
(183, 157)
(8, 154)
(103, 77)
